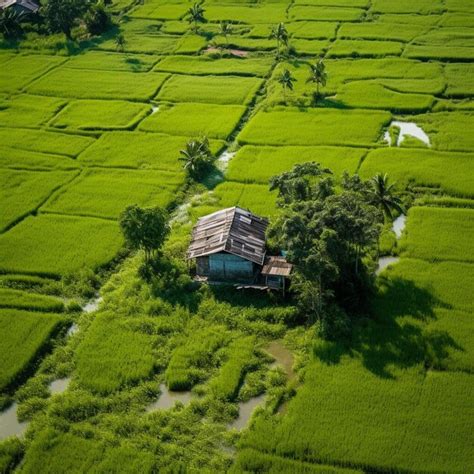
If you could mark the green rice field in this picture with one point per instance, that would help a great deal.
(158, 372)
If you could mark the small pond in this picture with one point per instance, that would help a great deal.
(384, 262)
(410, 129)
(167, 399)
(9, 424)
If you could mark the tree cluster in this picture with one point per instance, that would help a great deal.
(328, 233)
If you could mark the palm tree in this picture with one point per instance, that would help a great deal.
(195, 15)
(286, 80)
(196, 156)
(280, 34)
(10, 22)
(225, 30)
(120, 42)
(384, 196)
(318, 75)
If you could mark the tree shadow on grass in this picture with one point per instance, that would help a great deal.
(397, 338)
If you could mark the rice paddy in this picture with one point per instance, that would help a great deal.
(90, 127)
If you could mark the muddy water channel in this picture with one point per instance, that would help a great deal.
(167, 399)
(59, 385)
(9, 424)
(397, 227)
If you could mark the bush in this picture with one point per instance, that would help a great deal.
(97, 19)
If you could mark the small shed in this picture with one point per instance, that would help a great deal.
(25, 6)
(229, 246)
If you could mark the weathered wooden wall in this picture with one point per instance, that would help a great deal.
(228, 267)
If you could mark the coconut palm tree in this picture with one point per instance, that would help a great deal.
(384, 196)
(318, 75)
(280, 34)
(225, 29)
(10, 22)
(195, 15)
(120, 42)
(196, 156)
(286, 80)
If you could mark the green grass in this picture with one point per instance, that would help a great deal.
(100, 115)
(109, 61)
(311, 47)
(18, 299)
(160, 10)
(449, 171)
(202, 65)
(439, 52)
(139, 150)
(112, 356)
(213, 121)
(324, 13)
(264, 13)
(254, 164)
(379, 31)
(210, 89)
(43, 141)
(290, 126)
(423, 7)
(93, 84)
(32, 160)
(106, 193)
(429, 234)
(22, 337)
(311, 29)
(460, 79)
(57, 250)
(360, 48)
(28, 110)
(189, 359)
(22, 192)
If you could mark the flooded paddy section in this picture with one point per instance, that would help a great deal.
(398, 227)
(59, 385)
(167, 399)
(407, 129)
(245, 412)
(283, 358)
(92, 305)
(9, 424)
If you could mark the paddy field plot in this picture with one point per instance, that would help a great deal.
(22, 192)
(250, 13)
(113, 61)
(57, 250)
(100, 115)
(19, 299)
(139, 150)
(361, 48)
(213, 121)
(22, 335)
(324, 13)
(106, 193)
(32, 160)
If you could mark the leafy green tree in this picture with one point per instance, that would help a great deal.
(286, 80)
(97, 18)
(61, 15)
(327, 232)
(318, 75)
(280, 34)
(120, 42)
(384, 196)
(145, 228)
(197, 157)
(10, 23)
(225, 29)
(195, 15)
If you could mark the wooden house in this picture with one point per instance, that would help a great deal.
(21, 6)
(229, 246)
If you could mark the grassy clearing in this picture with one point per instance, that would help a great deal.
(44, 142)
(290, 126)
(100, 115)
(57, 249)
(106, 193)
(210, 89)
(254, 164)
(202, 65)
(22, 192)
(93, 84)
(449, 171)
(213, 121)
(34, 302)
(31, 160)
(138, 150)
(28, 111)
(429, 234)
(109, 61)
(112, 356)
(22, 336)
(192, 356)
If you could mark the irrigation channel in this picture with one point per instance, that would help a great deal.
(397, 227)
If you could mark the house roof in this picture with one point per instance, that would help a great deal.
(277, 266)
(26, 4)
(233, 230)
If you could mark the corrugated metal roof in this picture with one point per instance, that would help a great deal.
(233, 230)
(27, 4)
(277, 266)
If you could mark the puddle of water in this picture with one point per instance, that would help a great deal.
(245, 412)
(92, 305)
(59, 385)
(399, 225)
(168, 399)
(72, 329)
(224, 158)
(283, 357)
(154, 109)
(9, 424)
(407, 129)
(384, 262)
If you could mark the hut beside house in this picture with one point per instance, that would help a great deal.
(229, 246)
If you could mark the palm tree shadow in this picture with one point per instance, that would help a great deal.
(397, 337)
